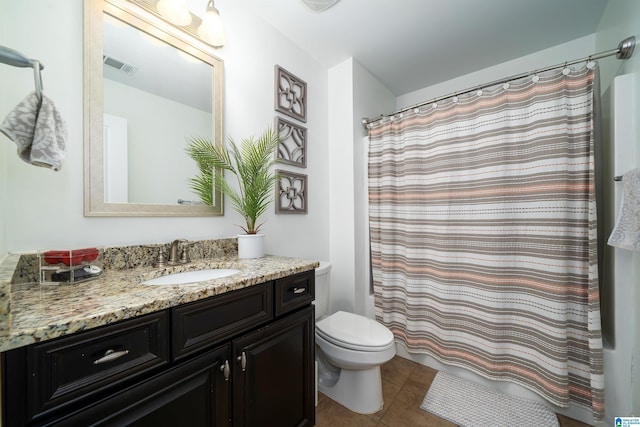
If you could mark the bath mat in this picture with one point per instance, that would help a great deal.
(472, 405)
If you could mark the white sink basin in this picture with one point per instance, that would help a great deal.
(191, 276)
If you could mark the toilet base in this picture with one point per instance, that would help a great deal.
(358, 390)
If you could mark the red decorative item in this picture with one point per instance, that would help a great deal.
(88, 254)
(55, 257)
(73, 257)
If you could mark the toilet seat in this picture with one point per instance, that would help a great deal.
(355, 332)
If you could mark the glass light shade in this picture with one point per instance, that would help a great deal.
(174, 11)
(319, 5)
(212, 30)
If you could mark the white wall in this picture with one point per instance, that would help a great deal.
(575, 49)
(252, 51)
(46, 209)
(353, 94)
(4, 149)
(620, 19)
(622, 373)
(341, 182)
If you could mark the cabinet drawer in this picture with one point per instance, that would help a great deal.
(203, 324)
(75, 367)
(295, 291)
(191, 394)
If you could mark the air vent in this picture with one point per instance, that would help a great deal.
(127, 69)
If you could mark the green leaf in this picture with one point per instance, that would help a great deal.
(251, 163)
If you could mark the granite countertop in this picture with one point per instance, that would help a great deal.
(42, 312)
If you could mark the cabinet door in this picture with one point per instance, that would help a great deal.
(195, 394)
(273, 374)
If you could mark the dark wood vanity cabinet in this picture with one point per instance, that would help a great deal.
(274, 374)
(244, 358)
(193, 393)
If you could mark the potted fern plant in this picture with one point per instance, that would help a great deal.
(251, 164)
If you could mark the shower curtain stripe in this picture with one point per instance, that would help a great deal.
(483, 234)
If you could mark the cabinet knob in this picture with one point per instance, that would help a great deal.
(225, 370)
(110, 355)
(243, 361)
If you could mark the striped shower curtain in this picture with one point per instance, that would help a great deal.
(483, 234)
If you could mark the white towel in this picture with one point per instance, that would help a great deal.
(38, 130)
(626, 233)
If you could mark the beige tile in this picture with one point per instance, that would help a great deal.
(331, 414)
(420, 380)
(389, 393)
(570, 422)
(397, 370)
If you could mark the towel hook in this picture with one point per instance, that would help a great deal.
(17, 59)
(37, 77)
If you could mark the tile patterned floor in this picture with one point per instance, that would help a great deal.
(404, 384)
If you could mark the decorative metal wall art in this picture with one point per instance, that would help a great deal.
(291, 95)
(292, 148)
(291, 193)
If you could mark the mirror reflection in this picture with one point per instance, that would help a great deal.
(146, 79)
(157, 89)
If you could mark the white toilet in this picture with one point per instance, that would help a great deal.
(349, 351)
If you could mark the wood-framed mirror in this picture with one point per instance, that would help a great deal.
(148, 86)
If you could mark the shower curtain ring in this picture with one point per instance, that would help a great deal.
(535, 77)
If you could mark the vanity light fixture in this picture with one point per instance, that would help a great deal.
(175, 11)
(208, 29)
(211, 30)
(318, 5)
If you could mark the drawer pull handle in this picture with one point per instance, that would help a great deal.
(299, 290)
(243, 361)
(110, 356)
(225, 370)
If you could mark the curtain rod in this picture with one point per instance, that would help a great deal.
(623, 51)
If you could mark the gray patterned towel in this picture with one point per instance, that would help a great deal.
(38, 130)
(626, 233)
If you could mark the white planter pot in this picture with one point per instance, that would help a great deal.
(250, 245)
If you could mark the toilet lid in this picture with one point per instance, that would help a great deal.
(354, 331)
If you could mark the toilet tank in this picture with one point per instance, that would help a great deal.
(322, 289)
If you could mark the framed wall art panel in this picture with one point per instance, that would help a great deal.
(291, 94)
(291, 193)
(292, 148)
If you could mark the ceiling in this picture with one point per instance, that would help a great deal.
(412, 44)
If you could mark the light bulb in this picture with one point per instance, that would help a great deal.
(174, 11)
(212, 30)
